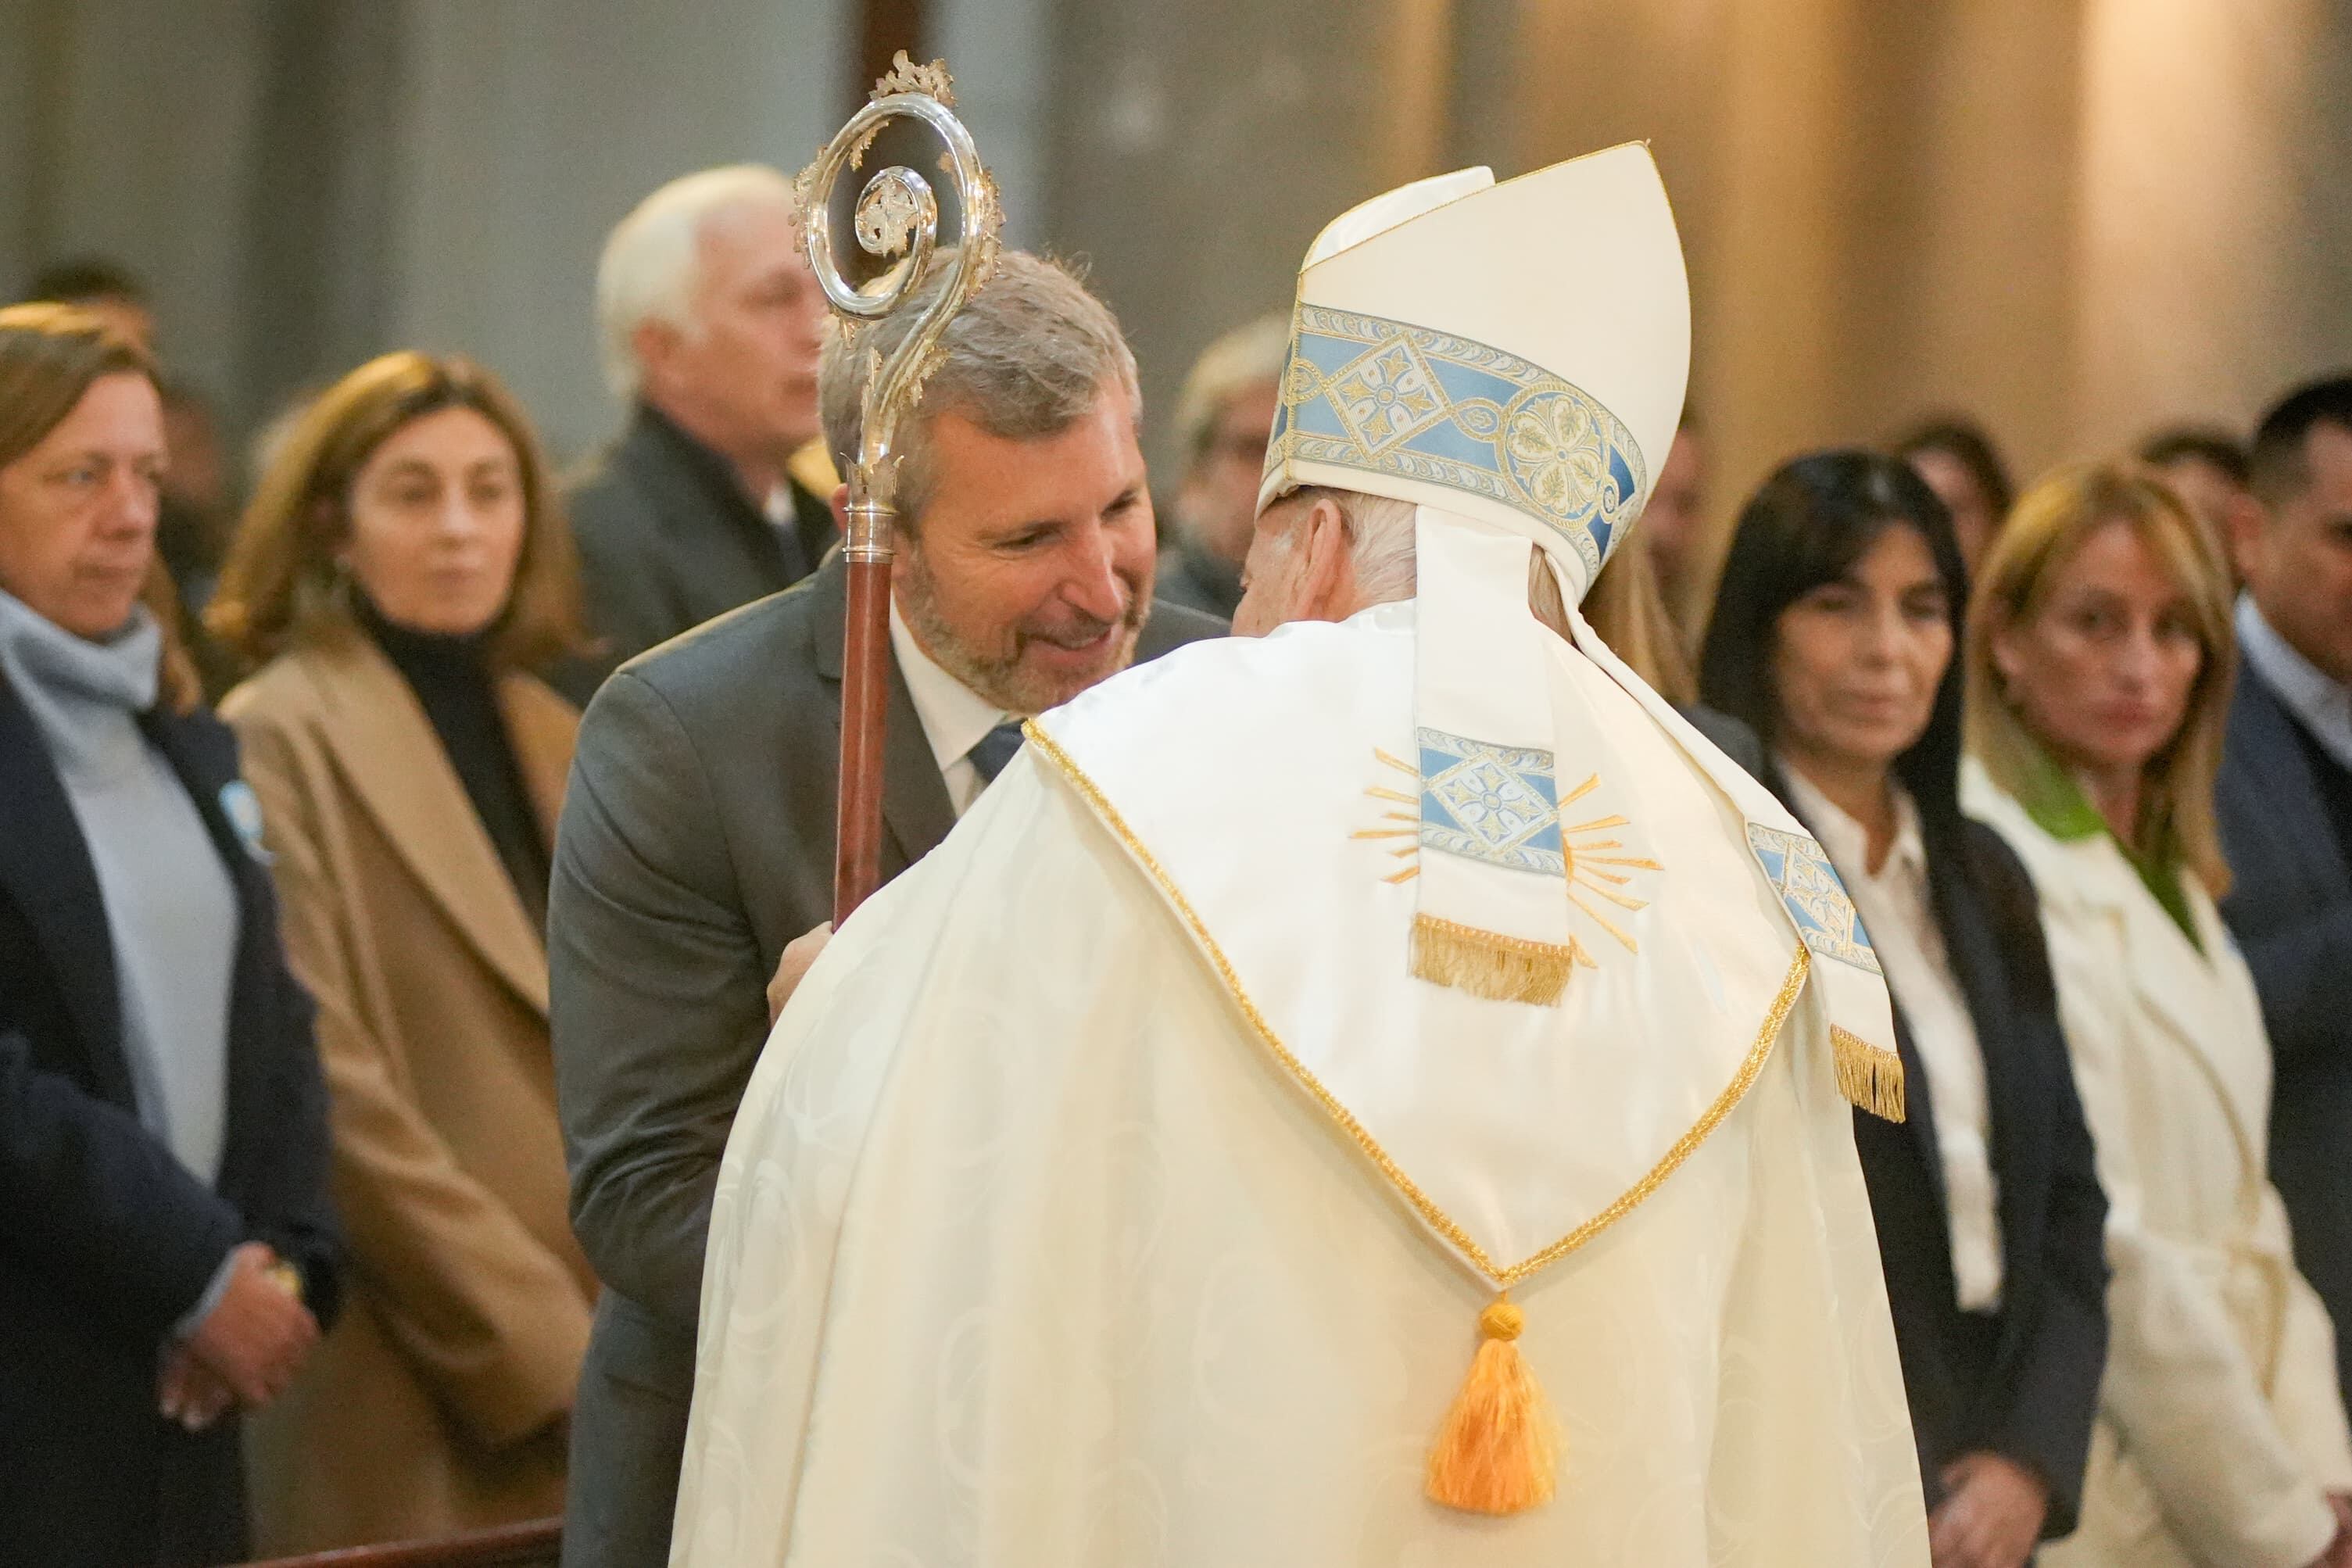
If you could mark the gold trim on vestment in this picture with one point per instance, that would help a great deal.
(1503, 1277)
(1870, 1077)
(1490, 964)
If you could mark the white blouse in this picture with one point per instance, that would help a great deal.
(1897, 912)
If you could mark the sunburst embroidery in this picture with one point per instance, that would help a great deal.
(1597, 866)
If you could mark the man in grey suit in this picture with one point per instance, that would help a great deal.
(711, 325)
(698, 834)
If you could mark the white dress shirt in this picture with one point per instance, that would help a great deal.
(1896, 910)
(955, 717)
(2324, 705)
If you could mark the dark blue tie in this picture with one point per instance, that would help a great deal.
(993, 750)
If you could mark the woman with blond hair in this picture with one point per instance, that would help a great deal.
(2099, 668)
(402, 565)
(166, 1248)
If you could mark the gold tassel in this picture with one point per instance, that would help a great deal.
(1497, 1452)
(1870, 1079)
(1486, 963)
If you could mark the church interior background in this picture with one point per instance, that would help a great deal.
(2073, 219)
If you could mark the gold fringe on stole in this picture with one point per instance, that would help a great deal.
(1870, 1079)
(1486, 963)
(1499, 1451)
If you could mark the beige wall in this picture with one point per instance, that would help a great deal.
(2216, 226)
(2073, 219)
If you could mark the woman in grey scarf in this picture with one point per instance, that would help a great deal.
(167, 1253)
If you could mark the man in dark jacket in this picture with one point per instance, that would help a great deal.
(2285, 800)
(710, 320)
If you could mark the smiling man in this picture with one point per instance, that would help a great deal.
(698, 834)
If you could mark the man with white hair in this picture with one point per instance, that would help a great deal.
(698, 833)
(710, 321)
(1374, 1092)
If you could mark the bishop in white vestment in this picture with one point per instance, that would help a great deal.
(1374, 1093)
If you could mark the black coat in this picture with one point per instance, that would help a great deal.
(2290, 907)
(105, 1238)
(668, 538)
(2027, 1390)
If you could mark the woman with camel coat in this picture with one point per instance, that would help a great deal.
(401, 565)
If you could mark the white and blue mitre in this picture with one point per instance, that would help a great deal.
(1521, 930)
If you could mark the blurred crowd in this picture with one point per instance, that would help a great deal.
(286, 1248)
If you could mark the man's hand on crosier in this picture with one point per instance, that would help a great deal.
(799, 953)
(189, 1392)
(1991, 1516)
(259, 1333)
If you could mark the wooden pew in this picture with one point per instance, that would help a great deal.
(532, 1546)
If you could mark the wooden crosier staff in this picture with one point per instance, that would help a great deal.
(895, 219)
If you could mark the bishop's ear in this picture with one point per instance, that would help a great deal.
(1326, 552)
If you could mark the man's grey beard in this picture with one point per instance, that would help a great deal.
(1002, 681)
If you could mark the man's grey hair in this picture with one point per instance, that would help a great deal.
(652, 264)
(1379, 540)
(1027, 358)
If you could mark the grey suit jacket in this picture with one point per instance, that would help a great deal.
(696, 840)
(2290, 907)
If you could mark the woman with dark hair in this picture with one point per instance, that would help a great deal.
(166, 1250)
(1960, 462)
(403, 565)
(1833, 636)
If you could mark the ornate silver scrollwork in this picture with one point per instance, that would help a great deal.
(895, 219)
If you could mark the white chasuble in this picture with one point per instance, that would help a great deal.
(1111, 1192)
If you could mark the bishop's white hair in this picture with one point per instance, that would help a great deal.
(652, 262)
(1379, 540)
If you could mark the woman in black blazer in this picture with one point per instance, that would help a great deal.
(166, 1249)
(1833, 636)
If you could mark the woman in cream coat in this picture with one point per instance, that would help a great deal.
(401, 565)
(2100, 666)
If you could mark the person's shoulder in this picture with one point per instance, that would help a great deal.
(1176, 582)
(2257, 733)
(606, 498)
(537, 702)
(207, 746)
(1992, 857)
(727, 669)
(199, 723)
(1173, 625)
(283, 694)
(1999, 875)
(2067, 876)
(1730, 736)
(1255, 694)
